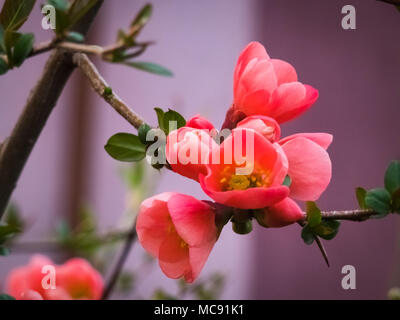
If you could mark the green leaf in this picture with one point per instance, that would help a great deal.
(4, 251)
(307, 234)
(6, 231)
(3, 66)
(313, 214)
(143, 16)
(6, 297)
(142, 133)
(173, 118)
(360, 194)
(15, 12)
(327, 230)
(288, 181)
(78, 9)
(149, 67)
(2, 48)
(61, 5)
(392, 177)
(378, 200)
(75, 37)
(13, 218)
(125, 147)
(141, 19)
(160, 117)
(22, 48)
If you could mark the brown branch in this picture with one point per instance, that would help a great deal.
(38, 108)
(132, 236)
(100, 85)
(395, 2)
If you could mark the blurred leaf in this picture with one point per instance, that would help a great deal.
(360, 194)
(6, 297)
(2, 48)
(78, 9)
(394, 294)
(142, 132)
(143, 16)
(378, 200)
(61, 5)
(392, 177)
(135, 174)
(149, 67)
(7, 231)
(15, 12)
(313, 214)
(288, 181)
(307, 234)
(13, 218)
(126, 281)
(160, 118)
(125, 147)
(327, 230)
(75, 37)
(4, 251)
(22, 48)
(160, 294)
(173, 116)
(3, 66)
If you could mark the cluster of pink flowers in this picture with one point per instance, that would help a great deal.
(41, 279)
(180, 230)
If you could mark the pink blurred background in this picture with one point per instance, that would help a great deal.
(357, 75)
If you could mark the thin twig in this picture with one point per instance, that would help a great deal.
(319, 244)
(99, 85)
(132, 236)
(395, 2)
(38, 108)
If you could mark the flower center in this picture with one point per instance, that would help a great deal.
(230, 181)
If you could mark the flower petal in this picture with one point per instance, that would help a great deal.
(282, 214)
(193, 219)
(322, 139)
(309, 168)
(284, 71)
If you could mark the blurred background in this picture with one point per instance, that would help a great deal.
(356, 72)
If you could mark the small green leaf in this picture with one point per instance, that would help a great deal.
(6, 297)
(378, 200)
(392, 177)
(149, 67)
(360, 194)
(142, 133)
(313, 214)
(13, 218)
(173, 120)
(15, 12)
(3, 66)
(307, 234)
(125, 147)
(107, 92)
(4, 251)
(6, 231)
(79, 9)
(2, 48)
(160, 117)
(75, 37)
(61, 5)
(22, 48)
(327, 230)
(287, 182)
(143, 16)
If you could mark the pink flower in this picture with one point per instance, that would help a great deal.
(199, 122)
(76, 279)
(268, 87)
(249, 171)
(310, 167)
(280, 214)
(266, 126)
(187, 148)
(179, 230)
